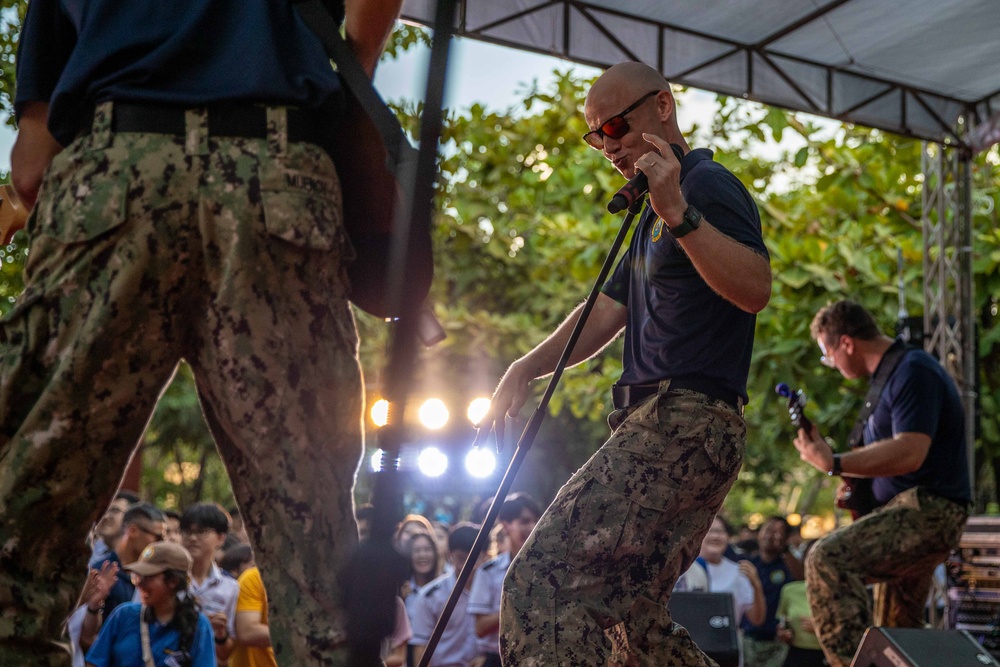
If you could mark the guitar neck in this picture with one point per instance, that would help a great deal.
(804, 423)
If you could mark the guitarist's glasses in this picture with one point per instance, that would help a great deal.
(827, 357)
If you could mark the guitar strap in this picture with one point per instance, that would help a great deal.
(886, 367)
(387, 194)
(319, 19)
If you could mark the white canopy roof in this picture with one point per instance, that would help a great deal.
(908, 66)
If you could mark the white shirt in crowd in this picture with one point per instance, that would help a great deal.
(484, 597)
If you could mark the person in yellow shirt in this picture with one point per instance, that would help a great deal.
(253, 639)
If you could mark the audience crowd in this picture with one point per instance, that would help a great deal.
(187, 580)
(757, 567)
(178, 587)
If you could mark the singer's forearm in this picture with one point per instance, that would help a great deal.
(605, 322)
(736, 272)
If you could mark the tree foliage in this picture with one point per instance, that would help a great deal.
(11, 16)
(11, 257)
(853, 201)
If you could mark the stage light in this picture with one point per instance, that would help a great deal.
(432, 462)
(380, 412)
(433, 414)
(477, 410)
(480, 462)
(376, 461)
(813, 528)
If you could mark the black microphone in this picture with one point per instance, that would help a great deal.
(629, 193)
(637, 186)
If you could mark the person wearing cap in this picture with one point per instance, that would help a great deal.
(142, 524)
(175, 632)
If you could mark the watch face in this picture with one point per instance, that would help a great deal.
(692, 216)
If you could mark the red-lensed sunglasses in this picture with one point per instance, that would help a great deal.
(615, 127)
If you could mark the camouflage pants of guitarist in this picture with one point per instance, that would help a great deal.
(592, 583)
(896, 547)
(146, 249)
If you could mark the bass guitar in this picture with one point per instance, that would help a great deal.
(856, 492)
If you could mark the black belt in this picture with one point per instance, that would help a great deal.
(624, 395)
(247, 121)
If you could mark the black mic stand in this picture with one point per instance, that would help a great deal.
(371, 579)
(527, 439)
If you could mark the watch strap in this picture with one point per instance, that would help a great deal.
(835, 470)
(690, 222)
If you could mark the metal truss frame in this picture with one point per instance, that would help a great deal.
(949, 307)
(805, 85)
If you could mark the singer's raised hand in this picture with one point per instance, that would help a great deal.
(663, 171)
(508, 399)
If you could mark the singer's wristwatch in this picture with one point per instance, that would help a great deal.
(689, 222)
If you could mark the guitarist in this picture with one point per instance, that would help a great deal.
(915, 453)
(183, 208)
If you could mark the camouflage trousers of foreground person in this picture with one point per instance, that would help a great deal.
(763, 653)
(146, 249)
(592, 583)
(898, 546)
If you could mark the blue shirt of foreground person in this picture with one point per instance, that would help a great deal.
(179, 635)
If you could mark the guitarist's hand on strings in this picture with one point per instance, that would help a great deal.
(814, 450)
(844, 493)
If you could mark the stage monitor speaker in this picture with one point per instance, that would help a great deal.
(710, 619)
(916, 647)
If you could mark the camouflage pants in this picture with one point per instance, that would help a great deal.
(897, 546)
(592, 583)
(147, 249)
(763, 653)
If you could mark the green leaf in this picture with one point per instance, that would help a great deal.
(801, 156)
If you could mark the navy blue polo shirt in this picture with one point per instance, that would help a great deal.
(123, 590)
(74, 54)
(920, 397)
(773, 577)
(677, 325)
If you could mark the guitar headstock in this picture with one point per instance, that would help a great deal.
(796, 405)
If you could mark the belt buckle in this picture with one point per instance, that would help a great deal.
(625, 396)
(619, 396)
